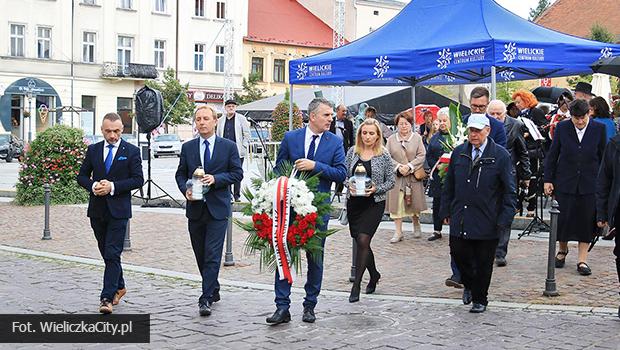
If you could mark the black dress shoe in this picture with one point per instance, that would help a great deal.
(354, 296)
(478, 308)
(583, 269)
(216, 296)
(453, 282)
(435, 236)
(204, 308)
(559, 263)
(280, 316)
(308, 315)
(466, 296)
(499, 261)
(372, 284)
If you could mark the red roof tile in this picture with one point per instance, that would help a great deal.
(576, 17)
(286, 22)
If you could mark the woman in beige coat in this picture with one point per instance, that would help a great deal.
(407, 150)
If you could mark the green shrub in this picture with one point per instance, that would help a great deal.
(54, 157)
(280, 120)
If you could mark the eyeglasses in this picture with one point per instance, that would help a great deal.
(478, 107)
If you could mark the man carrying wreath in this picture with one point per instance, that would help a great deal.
(316, 150)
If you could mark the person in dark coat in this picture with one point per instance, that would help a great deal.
(343, 128)
(434, 152)
(518, 154)
(527, 102)
(571, 168)
(478, 103)
(608, 194)
(478, 198)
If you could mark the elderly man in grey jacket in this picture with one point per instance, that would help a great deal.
(235, 127)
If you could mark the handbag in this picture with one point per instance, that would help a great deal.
(420, 174)
(343, 218)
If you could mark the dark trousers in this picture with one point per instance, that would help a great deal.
(314, 278)
(474, 258)
(207, 237)
(437, 219)
(237, 185)
(502, 245)
(533, 187)
(110, 234)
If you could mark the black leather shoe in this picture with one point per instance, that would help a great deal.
(435, 236)
(372, 284)
(466, 296)
(216, 296)
(353, 297)
(204, 308)
(499, 261)
(478, 308)
(308, 315)
(280, 316)
(453, 282)
(584, 269)
(559, 262)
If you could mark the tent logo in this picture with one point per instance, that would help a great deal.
(445, 57)
(507, 75)
(302, 71)
(382, 66)
(510, 52)
(606, 53)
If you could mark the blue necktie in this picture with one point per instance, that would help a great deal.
(108, 159)
(207, 156)
(312, 147)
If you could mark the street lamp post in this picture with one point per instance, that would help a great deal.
(29, 95)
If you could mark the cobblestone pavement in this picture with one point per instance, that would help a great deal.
(38, 285)
(414, 267)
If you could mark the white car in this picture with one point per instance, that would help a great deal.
(166, 144)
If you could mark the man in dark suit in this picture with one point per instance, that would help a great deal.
(343, 128)
(317, 151)
(478, 103)
(208, 219)
(111, 169)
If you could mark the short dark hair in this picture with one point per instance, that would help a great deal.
(112, 116)
(371, 109)
(479, 91)
(600, 107)
(578, 108)
(402, 115)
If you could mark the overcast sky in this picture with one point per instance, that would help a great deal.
(519, 7)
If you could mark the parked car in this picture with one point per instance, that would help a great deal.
(90, 139)
(10, 147)
(166, 144)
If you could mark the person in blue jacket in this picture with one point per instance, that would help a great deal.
(478, 200)
(478, 103)
(599, 110)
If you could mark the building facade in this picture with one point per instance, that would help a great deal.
(91, 56)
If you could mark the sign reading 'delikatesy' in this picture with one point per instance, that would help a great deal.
(77, 328)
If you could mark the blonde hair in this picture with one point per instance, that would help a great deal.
(378, 148)
(209, 108)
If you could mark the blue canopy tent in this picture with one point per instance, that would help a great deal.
(439, 42)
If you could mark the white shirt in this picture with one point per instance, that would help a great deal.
(581, 132)
(105, 155)
(203, 147)
(339, 128)
(308, 139)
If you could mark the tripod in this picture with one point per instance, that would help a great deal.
(266, 159)
(149, 181)
(537, 224)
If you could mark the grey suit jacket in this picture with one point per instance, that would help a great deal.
(242, 132)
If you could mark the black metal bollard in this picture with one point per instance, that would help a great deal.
(228, 255)
(353, 259)
(127, 241)
(550, 286)
(47, 235)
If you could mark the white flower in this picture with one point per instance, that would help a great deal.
(300, 196)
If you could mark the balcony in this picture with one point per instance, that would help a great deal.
(133, 71)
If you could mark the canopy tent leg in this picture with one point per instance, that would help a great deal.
(493, 83)
(413, 101)
(290, 108)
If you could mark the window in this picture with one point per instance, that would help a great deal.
(257, 67)
(44, 42)
(88, 47)
(123, 108)
(89, 2)
(125, 4)
(199, 56)
(17, 40)
(278, 71)
(199, 8)
(160, 5)
(88, 119)
(219, 59)
(220, 10)
(160, 50)
(125, 44)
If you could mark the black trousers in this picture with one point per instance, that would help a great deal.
(237, 185)
(437, 220)
(474, 259)
(110, 235)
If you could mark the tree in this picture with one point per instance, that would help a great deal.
(280, 118)
(171, 89)
(505, 90)
(251, 90)
(543, 5)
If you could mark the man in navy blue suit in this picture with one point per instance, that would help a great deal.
(478, 103)
(316, 150)
(111, 169)
(208, 219)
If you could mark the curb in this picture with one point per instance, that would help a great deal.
(266, 287)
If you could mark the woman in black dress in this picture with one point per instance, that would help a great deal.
(571, 168)
(365, 210)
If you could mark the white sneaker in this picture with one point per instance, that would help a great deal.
(396, 238)
(417, 231)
